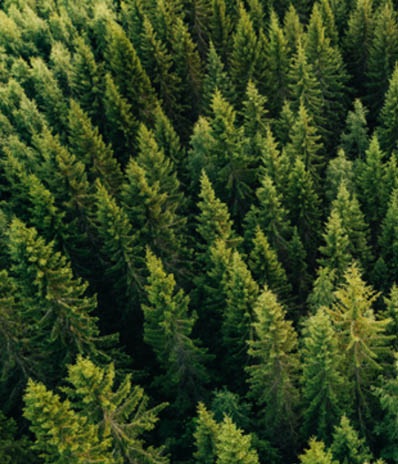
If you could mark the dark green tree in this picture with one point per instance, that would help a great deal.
(388, 116)
(355, 139)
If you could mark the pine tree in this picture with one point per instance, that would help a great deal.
(292, 29)
(120, 248)
(323, 289)
(316, 454)
(158, 63)
(336, 251)
(244, 55)
(361, 337)
(54, 304)
(214, 221)
(266, 268)
(347, 446)
(167, 328)
(188, 68)
(340, 170)
(221, 28)
(371, 189)
(387, 395)
(355, 139)
(383, 54)
(87, 145)
(120, 125)
(305, 142)
(329, 71)
(62, 435)
(273, 162)
(322, 383)
(388, 242)
(121, 413)
(305, 89)
(86, 81)
(388, 116)
(122, 60)
(206, 433)
(272, 376)
(354, 225)
(271, 216)
(357, 42)
(241, 292)
(232, 446)
(215, 78)
(96, 422)
(303, 205)
(278, 61)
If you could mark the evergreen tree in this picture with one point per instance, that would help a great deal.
(232, 446)
(86, 81)
(316, 454)
(354, 225)
(122, 60)
(357, 42)
(371, 188)
(293, 29)
(383, 54)
(53, 304)
(221, 28)
(62, 435)
(388, 241)
(329, 71)
(305, 142)
(241, 292)
(206, 433)
(304, 206)
(336, 251)
(216, 78)
(323, 289)
(272, 376)
(13, 450)
(388, 116)
(167, 328)
(355, 139)
(322, 383)
(340, 170)
(361, 337)
(267, 269)
(347, 446)
(88, 146)
(278, 61)
(244, 55)
(387, 395)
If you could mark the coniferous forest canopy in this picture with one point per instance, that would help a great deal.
(198, 231)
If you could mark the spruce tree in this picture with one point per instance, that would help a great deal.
(278, 60)
(323, 289)
(322, 382)
(244, 55)
(232, 446)
(347, 446)
(357, 43)
(206, 432)
(267, 269)
(168, 326)
(383, 54)
(340, 170)
(388, 116)
(355, 139)
(273, 375)
(316, 453)
(361, 337)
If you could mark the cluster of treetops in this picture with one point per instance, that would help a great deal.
(198, 231)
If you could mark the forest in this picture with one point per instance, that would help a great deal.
(198, 231)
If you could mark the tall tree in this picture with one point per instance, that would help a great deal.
(273, 374)
(322, 382)
(388, 116)
(355, 139)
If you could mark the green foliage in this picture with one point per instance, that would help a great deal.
(316, 454)
(355, 140)
(95, 422)
(388, 116)
(321, 379)
(273, 374)
(347, 446)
